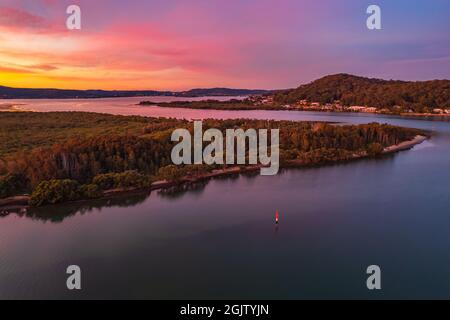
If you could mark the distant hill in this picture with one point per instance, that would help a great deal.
(22, 93)
(220, 92)
(420, 96)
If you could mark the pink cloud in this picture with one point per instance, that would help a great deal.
(42, 67)
(18, 19)
(14, 70)
(251, 43)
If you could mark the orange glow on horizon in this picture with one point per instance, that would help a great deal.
(179, 45)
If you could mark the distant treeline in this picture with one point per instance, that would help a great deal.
(81, 162)
(232, 104)
(31, 93)
(420, 96)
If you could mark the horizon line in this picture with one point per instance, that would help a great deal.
(224, 87)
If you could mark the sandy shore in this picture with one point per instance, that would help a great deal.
(405, 145)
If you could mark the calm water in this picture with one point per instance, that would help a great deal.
(220, 241)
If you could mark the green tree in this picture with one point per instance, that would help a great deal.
(55, 191)
(374, 149)
(90, 191)
(11, 184)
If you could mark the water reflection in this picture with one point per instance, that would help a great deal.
(197, 188)
(220, 241)
(58, 213)
(177, 192)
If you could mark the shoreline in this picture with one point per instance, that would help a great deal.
(405, 145)
(276, 108)
(21, 202)
(425, 114)
(434, 116)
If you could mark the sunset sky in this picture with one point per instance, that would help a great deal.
(181, 44)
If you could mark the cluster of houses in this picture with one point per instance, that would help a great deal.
(441, 111)
(312, 106)
(335, 106)
(261, 100)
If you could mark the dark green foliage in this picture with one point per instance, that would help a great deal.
(232, 104)
(11, 184)
(133, 158)
(127, 179)
(105, 181)
(90, 191)
(22, 131)
(374, 149)
(170, 173)
(176, 173)
(317, 157)
(31, 93)
(82, 160)
(353, 90)
(61, 190)
(55, 191)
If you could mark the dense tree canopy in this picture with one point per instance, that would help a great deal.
(82, 166)
(352, 90)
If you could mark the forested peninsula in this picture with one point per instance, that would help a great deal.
(54, 157)
(342, 93)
